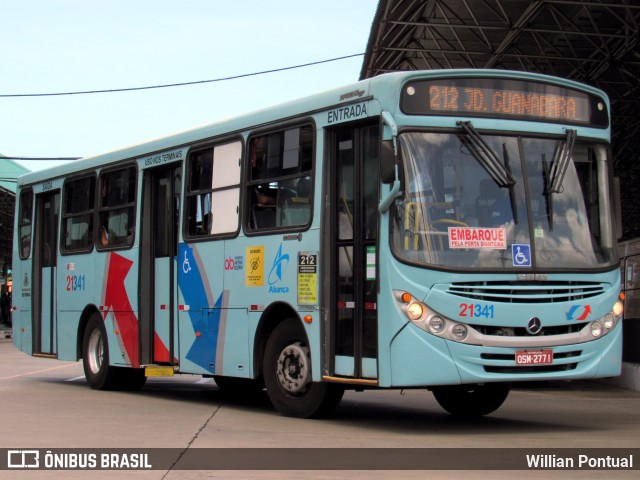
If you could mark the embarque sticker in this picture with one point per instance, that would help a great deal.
(474, 237)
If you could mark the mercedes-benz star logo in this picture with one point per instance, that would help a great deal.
(534, 326)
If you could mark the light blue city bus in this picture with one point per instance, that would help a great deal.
(449, 230)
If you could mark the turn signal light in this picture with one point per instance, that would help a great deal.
(617, 309)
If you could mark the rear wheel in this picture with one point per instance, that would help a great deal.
(95, 361)
(95, 355)
(130, 379)
(287, 375)
(472, 400)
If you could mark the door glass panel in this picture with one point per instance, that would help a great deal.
(344, 339)
(370, 188)
(356, 194)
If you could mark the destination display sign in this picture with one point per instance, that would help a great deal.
(496, 97)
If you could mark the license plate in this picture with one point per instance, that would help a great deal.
(534, 357)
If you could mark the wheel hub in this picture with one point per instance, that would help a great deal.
(95, 351)
(293, 368)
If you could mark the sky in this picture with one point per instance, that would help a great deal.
(53, 46)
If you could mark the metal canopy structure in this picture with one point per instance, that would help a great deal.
(590, 41)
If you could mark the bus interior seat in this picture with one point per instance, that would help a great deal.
(118, 227)
(263, 217)
(296, 212)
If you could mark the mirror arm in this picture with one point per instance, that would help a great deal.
(387, 200)
(388, 120)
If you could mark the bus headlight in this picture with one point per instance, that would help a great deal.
(617, 309)
(459, 331)
(415, 311)
(609, 321)
(431, 322)
(436, 325)
(596, 329)
(605, 324)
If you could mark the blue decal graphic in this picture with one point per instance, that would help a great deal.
(275, 275)
(203, 349)
(521, 253)
(585, 311)
(279, 265)
(206, 323)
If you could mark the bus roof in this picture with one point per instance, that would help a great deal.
(282, 112)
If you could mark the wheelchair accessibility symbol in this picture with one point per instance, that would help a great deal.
(521, 254)
(186, 267)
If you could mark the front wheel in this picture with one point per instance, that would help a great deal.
(472, 400)
(287, 375)
(238, 387)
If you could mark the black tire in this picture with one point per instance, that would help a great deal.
(287, 376)
(95, 361)
(472, 400)
(95, 355)
(129, 379)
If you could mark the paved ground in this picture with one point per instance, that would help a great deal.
(46, 404)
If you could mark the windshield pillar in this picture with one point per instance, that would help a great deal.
(604, 197)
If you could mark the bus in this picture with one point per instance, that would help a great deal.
(446, 230)
(630, 277)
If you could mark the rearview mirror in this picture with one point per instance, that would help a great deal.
(387, 162)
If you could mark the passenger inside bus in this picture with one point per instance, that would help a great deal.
(263, 201)
(104, 237)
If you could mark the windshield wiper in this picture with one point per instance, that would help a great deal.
(560, 162)
(554, 174)
(484, 154)
(512, 194)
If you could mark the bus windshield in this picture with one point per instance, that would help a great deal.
(503, 202)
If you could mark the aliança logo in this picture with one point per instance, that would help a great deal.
(278, 268)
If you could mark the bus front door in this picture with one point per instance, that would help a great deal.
(158, 275)
(353, 256)
(45, 257)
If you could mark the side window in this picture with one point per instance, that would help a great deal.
(213, 190)
(78, 214)
(279, 182)
(116, 214)
(25, 223)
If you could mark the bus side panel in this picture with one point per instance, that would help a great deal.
(21, 300)
(201, 307)
(118, 303)
(610, 365)
(264, 272)
(232, 352)
(412, 353)
(238, 335)
(78, 282)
